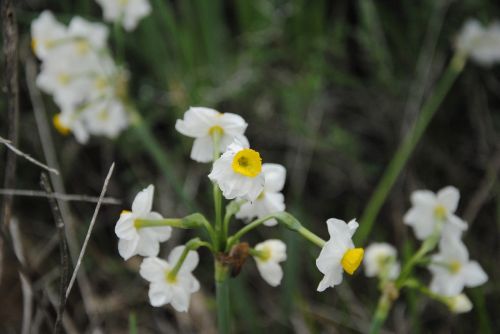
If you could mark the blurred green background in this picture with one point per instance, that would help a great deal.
(329, 89)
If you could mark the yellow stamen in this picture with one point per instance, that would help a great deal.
(261, 196)
(124, 212)
(170, 278)
(352, 259)
(101, 83)
(455, 267)
(82, 46)
(440, 212)
(265, 253)
(61, 128)
(103, 115)
(215, 129)
(33, 44)
(247, 162)
(63, 79)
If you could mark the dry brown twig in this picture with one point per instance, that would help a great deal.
(20, 153)
(62, 197)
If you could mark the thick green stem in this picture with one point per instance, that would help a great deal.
(222, 297)
(383, 307)
(406, 148)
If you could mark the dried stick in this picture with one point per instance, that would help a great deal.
(20, 153)
(91, 226)
(62, 197)
(63, 248)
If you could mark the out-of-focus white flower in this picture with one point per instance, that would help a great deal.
(127, 12)
(381, 260)
(46, 33)
(238, 172)
(270, 200)
(87, 36)
(459, 304)
(338, 253)
(270, 254)
(135, 239)
(481, 44)
(106, 117)
(166, 288)
(429, 208)
(452, 269)
(202, 123)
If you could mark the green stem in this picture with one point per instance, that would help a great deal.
(118, 34)
(383, 307)
(173, 222)
(190, 245)
(222, 297)
(247, 228)
(220, 236)
(311, 237)
(156, 151)
(231, 209)
(407, 146)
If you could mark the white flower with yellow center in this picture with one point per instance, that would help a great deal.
(46, 34)
(127, 12)
(270, 200)
(338, 253)
(106, 117)
(87, 37)
(459, 304)
(238, 172)
(481, 44)
(452, 270)
(135, 239)
(380, 259)
(167, 288)
(204, 123)
(428, 209)
(268, 256)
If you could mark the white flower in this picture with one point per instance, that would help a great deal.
(270, 200)
(201, 123)
(338, 253)
(380, 260)
(46, 33)
(128, 12)
(459, 304)
(428, 209)
(87, 36)
(106, 117)
(238, 172)
(452, 269)
(140, 240)
(166, 288)
(481, 44)
(270, 254)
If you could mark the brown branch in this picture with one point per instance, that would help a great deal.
(63, 248)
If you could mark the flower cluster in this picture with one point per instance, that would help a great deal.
(77, 69)
(481, 44)
(126, 12)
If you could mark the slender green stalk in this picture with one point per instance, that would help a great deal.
(120, 41)
(311, 237)
(143, 133)
(220, 236)
(231, 209)
(247, 228)
(383, 307)
(173, 222)
(190, 245)
(222, 297)
(406, 148)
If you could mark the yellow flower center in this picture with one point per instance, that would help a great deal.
(352, 259)
(33, 44)
(247, 162)
(172, 279)
(440, 212)
(63, 79)
(215, 130)
(61, 128)
(124, 212)
(265, 254)
(455, 267)
(103, 115)
(100, 83)
(82, 46)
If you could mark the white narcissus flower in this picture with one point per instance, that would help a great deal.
(270, 200)
(46, 33)
(128, 12)
(270, 254)
(202, 123)
(428, 209)
(106, 117)
(140, 240)
(166, 288)
(89, 37)
(238, 172)
(338, 253)
(481, 44)
(380, 259)
(452, 270)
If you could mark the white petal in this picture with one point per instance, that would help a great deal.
(340, 233)
(124, 228)
(453, 249)
(203, 149)
(159, 294)
(153, 269)
(147, 246)
(423, 198)
(275, 176)
(180, 299)
(271, 272)
(190, 262)
(143, 201)
(474, 275)
(449, 197)
(232, 124)
(447, 285)
(197, 121)
(128, 248)
(331, 279)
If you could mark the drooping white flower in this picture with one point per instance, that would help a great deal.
(481, 44)
(429, 208)
(202, 123)
(46, 34)
(135, 239)
(270, 253)
(128, 12)
(452, 269)
(166, 288)
(381, 260)
(270, 200)
(238, 172)
(459, 304)
(338, 253)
